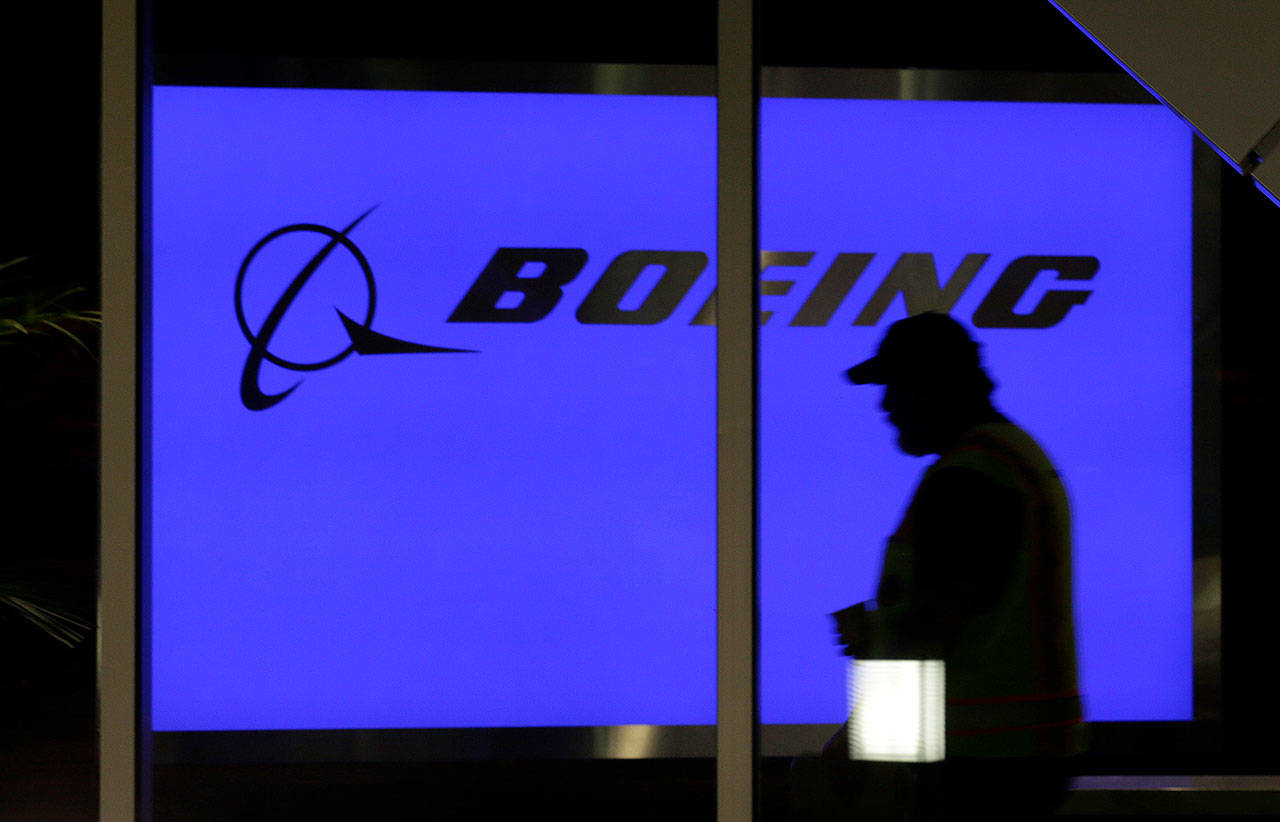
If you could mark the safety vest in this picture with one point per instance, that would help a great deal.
(1011, 684)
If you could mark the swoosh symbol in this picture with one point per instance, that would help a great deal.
(364, 340)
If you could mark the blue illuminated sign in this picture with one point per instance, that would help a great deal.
(432, 384)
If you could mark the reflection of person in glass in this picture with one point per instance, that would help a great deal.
(978, 575)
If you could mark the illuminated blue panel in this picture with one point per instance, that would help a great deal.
(1107, 390)
(524, 535)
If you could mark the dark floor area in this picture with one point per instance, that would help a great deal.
(561, 790)
(48, 750)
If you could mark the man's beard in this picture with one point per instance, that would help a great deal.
(912, 444)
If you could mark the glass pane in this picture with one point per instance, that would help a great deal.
(914, 176)
(432, 424)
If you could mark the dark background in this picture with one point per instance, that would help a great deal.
(49, 400)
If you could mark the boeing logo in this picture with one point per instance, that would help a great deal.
(914, 275)
(524, 285)
(363, 339)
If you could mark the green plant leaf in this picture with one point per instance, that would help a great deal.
(13, 262)
(58, 621)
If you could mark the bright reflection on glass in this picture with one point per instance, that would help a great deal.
(897, 709)
(627, 741)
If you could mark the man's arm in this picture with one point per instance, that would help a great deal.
(968, 533)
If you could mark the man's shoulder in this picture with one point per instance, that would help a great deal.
(1001, 452)
(964, 488)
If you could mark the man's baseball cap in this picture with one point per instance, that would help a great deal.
(928, 346)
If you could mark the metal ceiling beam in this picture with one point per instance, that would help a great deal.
(1216, 63)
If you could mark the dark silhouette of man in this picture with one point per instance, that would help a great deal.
(978, 574)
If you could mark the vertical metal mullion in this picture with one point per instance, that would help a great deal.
(117, 577)
(737, 692)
